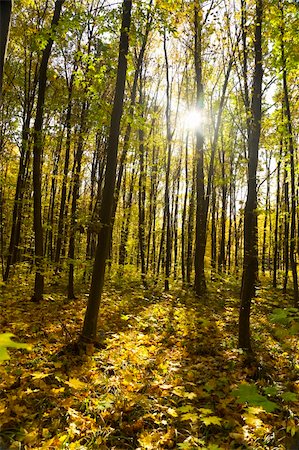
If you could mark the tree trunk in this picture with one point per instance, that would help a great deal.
(89, 331)
(221, 256)
(61, 217)
(291, 148)
(286, 230)
(250, 264)
(200, 232)
(275, 256)
(5, 19)
(184, 214)
(190, 227)
(141, 193)
(75, 197)
(167, 179)
(37, 161)
(267, 213)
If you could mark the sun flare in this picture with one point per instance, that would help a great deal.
(194, 119)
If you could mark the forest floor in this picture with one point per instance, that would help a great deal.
(168, 376)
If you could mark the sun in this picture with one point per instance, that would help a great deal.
(194, 119)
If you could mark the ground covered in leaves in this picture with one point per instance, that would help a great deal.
(169, 374)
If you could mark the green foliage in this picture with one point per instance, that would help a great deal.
(289, 396)
(248, 393)
(284, 316)
(6, 342)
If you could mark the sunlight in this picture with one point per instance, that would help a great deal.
(194, 119)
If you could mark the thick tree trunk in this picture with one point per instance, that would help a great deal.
(200, 232)
(89, 331)
(250, 264)
(5, 18)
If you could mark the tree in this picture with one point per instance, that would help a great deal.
(250, 264)
(37, 159)
(89, 331)
(5, 18)
(291, 149)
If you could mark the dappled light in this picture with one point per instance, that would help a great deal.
(149, 237)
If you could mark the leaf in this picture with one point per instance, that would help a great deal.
(190, 416)
(186, 408)
(252, 420)
(289, 397)
(76, 384)
(248, 393)
(270, 390)
(211, 420)
(205, 411)
(39, 375)
(190, 395)
(172, 412)
(5, 342)
(254, 410)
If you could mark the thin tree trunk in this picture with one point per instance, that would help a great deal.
(184, 214)
(221, 256)
(142, 190)
(75, 197)
(167, 179)
(61, 217)
(49, 250)
(276, 230)
(267, 212)
(175, 218)
(126, 223)
(37, 161)
(286, 231)
(213, 234)
(190, 227)
(291, 147)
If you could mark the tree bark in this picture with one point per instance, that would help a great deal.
(5, 19)
(89, 331)
(37, 161)
(200, 232)
(250, 264)
(291, 148)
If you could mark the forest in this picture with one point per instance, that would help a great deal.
(149, 224)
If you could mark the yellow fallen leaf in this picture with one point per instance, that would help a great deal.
(211, 420)
(76, 384)
(30, 438)
(39, 375)
(172, 412)
(252, 420)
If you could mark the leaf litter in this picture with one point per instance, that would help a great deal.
(169, 373)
